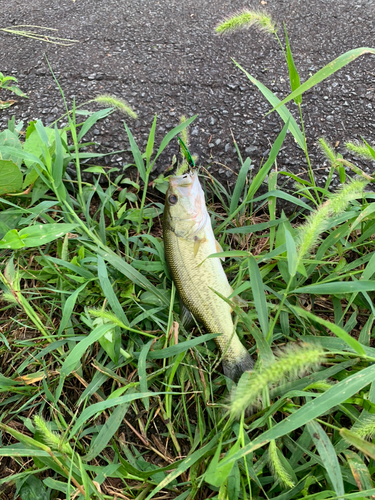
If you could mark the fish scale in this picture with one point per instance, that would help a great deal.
(188, 241)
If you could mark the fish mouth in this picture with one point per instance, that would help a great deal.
(185, 180)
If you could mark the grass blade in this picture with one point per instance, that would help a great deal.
(90, 122)
(325, 72)
(105, 405)
(337, 287)
(291, 253)
(337, 330)
(78, 351)
(283, 111)
(328, 455)
(142, 374)
(293, 73)
(68, 308)
(150, 142)
(352, 438)
(186, 464)
(259, 295)
(259, 178)
(359, 470)
(241, 180)
(136, 154)
(109, 292)
(108, 430)
(171, 134)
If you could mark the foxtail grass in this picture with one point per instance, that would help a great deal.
(289, 365)
(246, 19)
(117, 103)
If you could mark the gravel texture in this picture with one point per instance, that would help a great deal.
(164, 58)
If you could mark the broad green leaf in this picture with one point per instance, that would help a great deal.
(21, 451)
(57, 167)
(10, 177)
(10, 139)
(12, 240)
(21, 154)
(37, 235)
(34, 144)
(339, 393)
(328, 455)
(283, 111)
(325, 72)
(16, 90)
(337, 330)
(234, 482)
(259, 296)
(33, 489)
(55, 485)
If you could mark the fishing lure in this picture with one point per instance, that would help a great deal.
(186, 153)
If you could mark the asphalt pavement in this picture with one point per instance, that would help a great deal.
(164, 57)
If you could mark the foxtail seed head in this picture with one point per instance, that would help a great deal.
(327, 149)
(277, 467)
(290, 364)
(118, 103)
(359, 149)
(365, 428)
(316, 223)
(246, 19)
(50, 438)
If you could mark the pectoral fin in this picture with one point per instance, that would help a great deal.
(197, 242)
(219, 248)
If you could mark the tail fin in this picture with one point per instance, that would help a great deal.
(234, 368)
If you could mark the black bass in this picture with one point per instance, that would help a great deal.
(188, 241)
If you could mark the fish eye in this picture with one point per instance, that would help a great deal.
(172, 199)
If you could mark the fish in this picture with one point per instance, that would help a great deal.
(188, 241)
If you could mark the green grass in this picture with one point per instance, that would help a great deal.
(104, 395)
